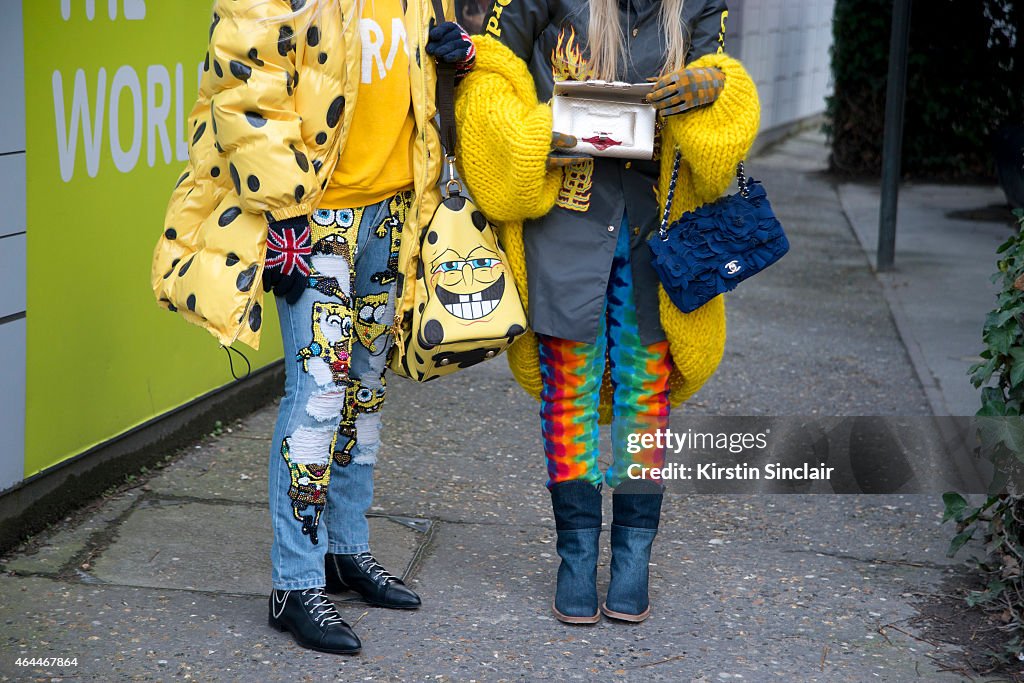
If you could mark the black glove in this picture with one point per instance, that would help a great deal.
(286, 268)
(449, 43)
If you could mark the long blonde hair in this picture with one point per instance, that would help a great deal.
(606, 41)
(608, 45)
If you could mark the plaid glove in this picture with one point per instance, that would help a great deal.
(561, 151)
(286, 268)
(449, 43)
(685, 89)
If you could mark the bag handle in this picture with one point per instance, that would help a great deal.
(445, 102)
(742, 181)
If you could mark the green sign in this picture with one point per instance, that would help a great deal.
(109, 85)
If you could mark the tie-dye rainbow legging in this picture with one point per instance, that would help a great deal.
(572, 373)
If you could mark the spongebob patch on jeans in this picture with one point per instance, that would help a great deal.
(372, 321)
(334, 239)
(308, 491)
(577, 184)
(398, 211)
(344, 441)
(363, 399)
(331, 344)
(359, 400)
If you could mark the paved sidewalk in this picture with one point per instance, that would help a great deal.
(940, 289)
(169, 580)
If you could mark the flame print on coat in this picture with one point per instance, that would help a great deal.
(568, 63)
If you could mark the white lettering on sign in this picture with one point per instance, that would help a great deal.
(92, 108)
(180, 122)
(92, 125)
(134, 10)
(156, 125)
(125, 79)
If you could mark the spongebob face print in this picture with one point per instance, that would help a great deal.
(465, 278)
(372, 321)
(465, 297)
(332, 343)
(469, 286)
(334, 227)
(334, 245)
(366, 399)
(308, 490)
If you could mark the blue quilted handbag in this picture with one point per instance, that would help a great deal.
(713, 248)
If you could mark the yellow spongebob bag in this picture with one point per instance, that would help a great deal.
(467, 307)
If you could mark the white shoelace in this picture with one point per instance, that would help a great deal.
(372, 567)
(323, 610)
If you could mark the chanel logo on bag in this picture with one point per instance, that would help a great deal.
(733, 267)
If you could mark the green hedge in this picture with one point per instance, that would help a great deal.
(1000, 422)
(965, 80)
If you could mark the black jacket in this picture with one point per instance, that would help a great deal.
(567, 295)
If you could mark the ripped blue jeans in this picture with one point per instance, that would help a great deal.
(336, 341)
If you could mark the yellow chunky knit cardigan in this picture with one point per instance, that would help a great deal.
(503, 143)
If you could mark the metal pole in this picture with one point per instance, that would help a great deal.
(892, 145)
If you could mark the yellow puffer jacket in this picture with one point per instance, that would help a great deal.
(504, 140)
(274, 111)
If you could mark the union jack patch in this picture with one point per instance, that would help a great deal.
(287, 250)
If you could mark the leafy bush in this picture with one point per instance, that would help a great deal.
(1001, 432)
(965, 76)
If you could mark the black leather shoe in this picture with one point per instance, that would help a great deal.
(364, 575)
(313, 621)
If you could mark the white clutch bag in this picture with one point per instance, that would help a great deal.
(608, 118)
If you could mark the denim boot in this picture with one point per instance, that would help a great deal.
(636, 511)
(577, 508)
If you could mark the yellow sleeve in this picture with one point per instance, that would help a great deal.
(504, 136)
(252, 78)
(715, 138)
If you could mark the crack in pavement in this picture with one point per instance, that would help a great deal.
(846, 556)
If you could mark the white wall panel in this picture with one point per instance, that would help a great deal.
(785, 46)
(12, 275)
(12, 405)
(13, 215)
(12, 242)
(12, 78)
